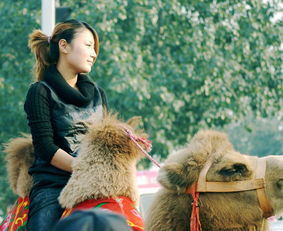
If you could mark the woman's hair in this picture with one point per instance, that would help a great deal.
(46, 49)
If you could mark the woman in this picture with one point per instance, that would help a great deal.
(57, 106)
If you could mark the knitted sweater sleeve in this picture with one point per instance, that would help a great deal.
(37, 108)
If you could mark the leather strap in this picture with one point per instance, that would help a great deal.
(261, 193)
(232, 186)
(202, 183)
(258, 184)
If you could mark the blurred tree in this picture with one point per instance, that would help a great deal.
(18, 19)
(187, 65)
(257, 137)
(181, 65)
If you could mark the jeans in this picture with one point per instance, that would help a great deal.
(45, 210)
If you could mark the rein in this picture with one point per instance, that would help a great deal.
(145, 142)
(258, 184)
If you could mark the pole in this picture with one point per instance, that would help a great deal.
(47, 16)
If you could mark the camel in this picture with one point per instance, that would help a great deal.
(103, 172)
(192, 179)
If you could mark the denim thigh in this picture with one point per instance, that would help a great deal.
(45, 210)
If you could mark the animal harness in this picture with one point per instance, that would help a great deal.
(257, 183)
(121, 205)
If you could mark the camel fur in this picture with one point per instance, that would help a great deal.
(106, 164)
(171, 208)
(19, 159)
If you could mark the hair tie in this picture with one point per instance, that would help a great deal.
(49, 39)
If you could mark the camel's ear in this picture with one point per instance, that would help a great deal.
(178, 176)
(134, 121)
(174, 176)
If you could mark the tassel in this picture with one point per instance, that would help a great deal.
(195, 224)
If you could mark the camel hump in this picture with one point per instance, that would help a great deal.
(19, 158)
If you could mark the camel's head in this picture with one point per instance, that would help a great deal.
(183, 168)
(110, 138)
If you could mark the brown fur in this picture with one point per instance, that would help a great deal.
(19, 157)
(171, 209)
(105, 166)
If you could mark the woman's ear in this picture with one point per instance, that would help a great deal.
(63, 46)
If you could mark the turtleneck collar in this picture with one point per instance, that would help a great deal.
(70, 95)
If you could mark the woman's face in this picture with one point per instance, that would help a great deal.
(80, 52)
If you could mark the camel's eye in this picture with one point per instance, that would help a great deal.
(280, 183)
(235, 169)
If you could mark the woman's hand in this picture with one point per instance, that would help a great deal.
(62, 160)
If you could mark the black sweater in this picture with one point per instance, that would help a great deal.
(37, 107)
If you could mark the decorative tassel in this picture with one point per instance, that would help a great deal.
(195, 224)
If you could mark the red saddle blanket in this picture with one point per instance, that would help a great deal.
(121, 205)
(17, 216)
(16, 219)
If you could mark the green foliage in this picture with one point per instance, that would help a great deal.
(18, 19)
(187, 65)
(181, 65)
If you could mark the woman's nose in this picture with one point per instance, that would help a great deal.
(93, 54)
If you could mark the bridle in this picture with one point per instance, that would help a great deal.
(257, 183)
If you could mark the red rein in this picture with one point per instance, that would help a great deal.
(195, 224)
(145, 142)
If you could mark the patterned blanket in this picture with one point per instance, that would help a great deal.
(16, 219)
(121, 205)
